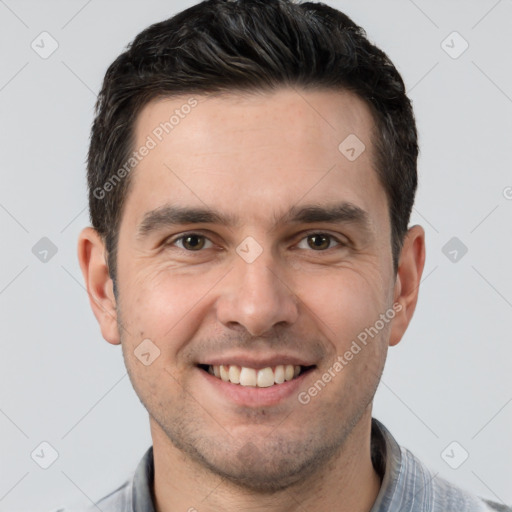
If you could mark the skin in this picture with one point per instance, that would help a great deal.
(256, 156)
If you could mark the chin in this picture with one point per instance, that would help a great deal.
(266, 470)
(263, 479)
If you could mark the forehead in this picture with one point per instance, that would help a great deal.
(296, 116)
(256, 153)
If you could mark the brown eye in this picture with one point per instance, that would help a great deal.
(319, 241)
(193, 242)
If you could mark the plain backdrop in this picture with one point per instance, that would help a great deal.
(449, 380)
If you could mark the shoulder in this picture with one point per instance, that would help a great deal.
(445, 496)
(116, 501)
(135, 492)
(409, 485)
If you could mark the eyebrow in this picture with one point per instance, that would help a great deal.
(173, 215)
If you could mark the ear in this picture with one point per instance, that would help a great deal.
(91, 255)
(410, 269)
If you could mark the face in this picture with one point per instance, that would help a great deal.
(250, 239)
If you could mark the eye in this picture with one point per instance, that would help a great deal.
(191, 242)
(320, 241)
(194, 242)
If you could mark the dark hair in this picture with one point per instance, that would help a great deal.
(222, 46)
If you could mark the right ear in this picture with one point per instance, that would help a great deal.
(91, 255)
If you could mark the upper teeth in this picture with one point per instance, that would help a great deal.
(262, 378)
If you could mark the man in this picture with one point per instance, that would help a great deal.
(252, 170)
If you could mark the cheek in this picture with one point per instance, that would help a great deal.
(343, 301)
(163, 306)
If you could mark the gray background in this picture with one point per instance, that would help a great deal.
(60, 382)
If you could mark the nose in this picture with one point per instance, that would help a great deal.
(257, 296)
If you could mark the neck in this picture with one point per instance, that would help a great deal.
(348, 483)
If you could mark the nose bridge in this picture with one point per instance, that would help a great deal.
(257, 296)
(260, 276)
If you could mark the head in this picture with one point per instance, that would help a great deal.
(293, 135)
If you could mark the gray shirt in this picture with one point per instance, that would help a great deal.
(407, 485)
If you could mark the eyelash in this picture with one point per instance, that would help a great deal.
(172, 241)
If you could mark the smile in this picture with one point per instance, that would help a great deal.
(261, 378)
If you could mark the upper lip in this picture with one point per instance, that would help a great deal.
(252, 361)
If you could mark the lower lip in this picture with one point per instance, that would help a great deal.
(253, 396)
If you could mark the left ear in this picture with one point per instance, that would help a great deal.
(410, 269)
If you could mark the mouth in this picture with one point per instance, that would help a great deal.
(256, 377)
